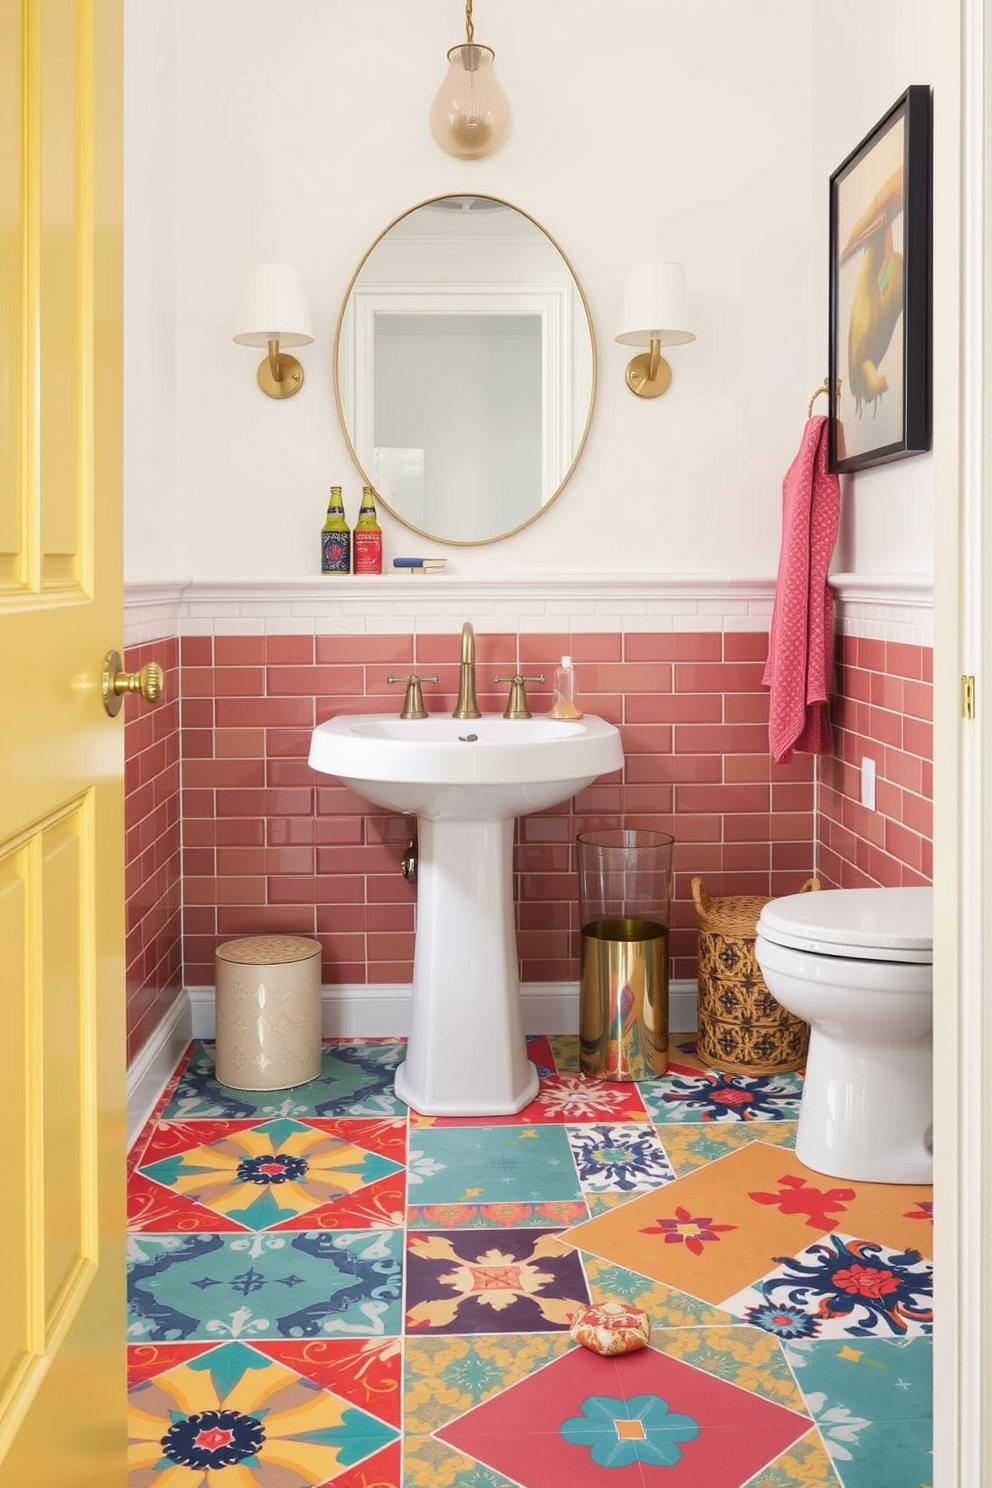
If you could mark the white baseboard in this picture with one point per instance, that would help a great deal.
(383, 1010)
(155, 1063)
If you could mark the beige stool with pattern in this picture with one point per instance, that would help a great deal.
(268, 1012)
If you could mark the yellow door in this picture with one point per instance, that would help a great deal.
(62, 1326)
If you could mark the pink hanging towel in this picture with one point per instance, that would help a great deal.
(801, 640)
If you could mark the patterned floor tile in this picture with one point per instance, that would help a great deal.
(443, 1377)
(687, 1094)
(556, 1215)
(271, 1285)
(356, 1079)
(561, 1098)
(491, 1164)
(806, 1465)
(873, 1403)
(237, 1407)
(665, 1307)
(585, 1419)
(725, 1226)
(842, 1288)
(619, 1159)
(256, 1176)
(507, 1281)
(693, 1146)
(742, 1356)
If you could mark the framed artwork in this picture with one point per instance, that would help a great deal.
(880, 278)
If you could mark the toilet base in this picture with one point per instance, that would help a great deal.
(866, 1112)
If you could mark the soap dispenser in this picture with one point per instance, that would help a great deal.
(563, 692)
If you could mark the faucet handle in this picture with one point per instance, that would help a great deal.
(413, 702)
(516, 706)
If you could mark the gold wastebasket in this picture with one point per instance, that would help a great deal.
(625, 892)
(268, 1012)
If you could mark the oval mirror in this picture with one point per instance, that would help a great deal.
(465, 369)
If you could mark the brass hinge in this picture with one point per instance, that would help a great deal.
(968, 697)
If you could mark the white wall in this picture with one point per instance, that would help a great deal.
(642, 128)
(151, 391)
(864, 56)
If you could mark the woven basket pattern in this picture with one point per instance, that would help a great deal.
(743, 1029)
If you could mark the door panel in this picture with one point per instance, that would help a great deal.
(62, 1345)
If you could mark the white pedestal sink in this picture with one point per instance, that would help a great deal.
(466, 781)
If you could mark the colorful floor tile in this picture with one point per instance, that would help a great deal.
(702, 1233)
(270, 1285)
(495, 1164)
(588, 1420)
(508, 1281)
(872, 1402)
(233, 1406)
(687, 1094)
(327, 1290)
(279, 1172)
(356, 1079)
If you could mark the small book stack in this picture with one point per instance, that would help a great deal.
(420, 565)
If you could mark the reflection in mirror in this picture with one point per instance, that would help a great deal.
(465, 369)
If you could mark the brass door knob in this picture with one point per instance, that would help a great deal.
(149, 682)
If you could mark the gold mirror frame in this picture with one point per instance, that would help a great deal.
(366, 476)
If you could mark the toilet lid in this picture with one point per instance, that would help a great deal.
(860, 924)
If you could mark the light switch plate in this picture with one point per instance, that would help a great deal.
(868, 783)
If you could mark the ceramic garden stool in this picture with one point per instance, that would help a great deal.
(268, 1012)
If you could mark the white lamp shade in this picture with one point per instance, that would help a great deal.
(655, 306)
(273, 307)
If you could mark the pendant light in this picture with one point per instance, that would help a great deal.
(470, 115)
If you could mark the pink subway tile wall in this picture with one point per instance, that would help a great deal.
(268, 845)
(151, 855)
(883, 711)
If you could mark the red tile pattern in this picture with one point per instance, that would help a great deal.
(270, 846)
(151, 853)
(883, 711)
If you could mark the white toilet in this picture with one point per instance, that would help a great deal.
(857, 965)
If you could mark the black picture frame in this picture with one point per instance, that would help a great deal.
(880, 328)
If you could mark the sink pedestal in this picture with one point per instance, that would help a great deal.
(467, 1054)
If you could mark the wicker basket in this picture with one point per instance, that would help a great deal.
(743, 1030)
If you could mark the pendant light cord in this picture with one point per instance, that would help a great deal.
(469, 27)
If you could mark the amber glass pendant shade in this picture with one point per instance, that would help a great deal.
(470, 115)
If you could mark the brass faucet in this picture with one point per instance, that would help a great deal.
(467, 706)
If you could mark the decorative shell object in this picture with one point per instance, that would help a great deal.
(611, 1328)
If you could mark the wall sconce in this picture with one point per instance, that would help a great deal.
(470, 115)
(654, 312)
(273, 313)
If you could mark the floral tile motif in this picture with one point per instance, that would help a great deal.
(428, 1463)
(558, 1215)
(492, 1281)
(693, 1146)
(724, 1227)
(356, 1079)
(743, 1356)
(561, 1098)
(806, 1465)
(271, 1285)
(842, 1288)
(584, 1419)
(711, 1096)
(257, 1176)
(873, 1403)
(234, 1407)
(619, 1159)
(446, 1376)
(136, 1151)
(491, 1165)
(666, 1307)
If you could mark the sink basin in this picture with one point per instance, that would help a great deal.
(485, 768)
(465, 780)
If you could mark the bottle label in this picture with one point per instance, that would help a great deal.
(368, 551)
(335, 552)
